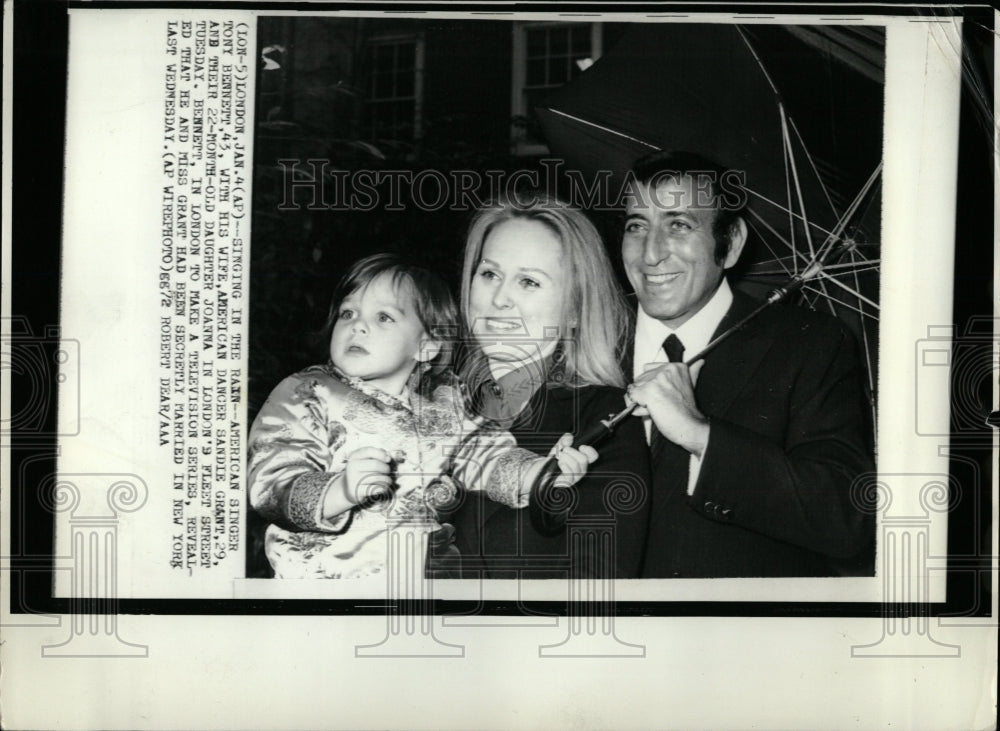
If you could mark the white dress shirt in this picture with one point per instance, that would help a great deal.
(694, 334)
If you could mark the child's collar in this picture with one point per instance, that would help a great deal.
(358, 384)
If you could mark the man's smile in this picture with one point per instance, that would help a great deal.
(661, 279)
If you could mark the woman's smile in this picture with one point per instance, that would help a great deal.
(504, 325)
(518, 291)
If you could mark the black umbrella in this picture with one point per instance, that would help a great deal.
(797, 108)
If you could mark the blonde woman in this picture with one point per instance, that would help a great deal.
(547, 323)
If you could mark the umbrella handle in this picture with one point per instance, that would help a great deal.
(550, 522)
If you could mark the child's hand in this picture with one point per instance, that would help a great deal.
(368, 474)
(573, 463)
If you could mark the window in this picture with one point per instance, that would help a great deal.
(546, 56)
(395, 88)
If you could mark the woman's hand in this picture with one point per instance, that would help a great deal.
(573, 463)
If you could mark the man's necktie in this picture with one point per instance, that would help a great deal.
(674, 349)
(670, 468)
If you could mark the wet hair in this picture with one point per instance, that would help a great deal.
(595, 300)
(432, 301)
(725, 188)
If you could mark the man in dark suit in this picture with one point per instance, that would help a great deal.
(755, 448)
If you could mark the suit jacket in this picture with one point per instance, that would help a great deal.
(788, 438)
(500, 542)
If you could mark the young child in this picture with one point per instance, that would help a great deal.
(342, 451)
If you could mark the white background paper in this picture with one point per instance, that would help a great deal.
(297, 672)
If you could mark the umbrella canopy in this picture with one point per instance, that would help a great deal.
(797, 109)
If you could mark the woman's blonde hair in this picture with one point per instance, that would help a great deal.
(595, 301)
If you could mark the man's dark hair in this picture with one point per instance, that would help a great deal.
(724, 187)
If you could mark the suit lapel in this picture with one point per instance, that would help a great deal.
(732, 364)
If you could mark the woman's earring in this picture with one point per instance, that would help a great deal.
(557, 373)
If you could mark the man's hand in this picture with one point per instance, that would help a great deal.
(665, 392)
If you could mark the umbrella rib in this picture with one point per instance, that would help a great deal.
(791, 220)
(843, 286)
(826, 294)
(784, 208)
(784, 134)
(770, 228)
(842, 303)
(805, 149)
(816, 296)
(864, 336)
(768, 272)
(806, 296)
(785, 272)
(795, 176)
(780, 207)
(833, 236)
(603, 128)
(781, 239)
(828, 233)
(812, 164)
(835, 270)
(853, 267)
(851, 210)
(756, 58)
(859, 264)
